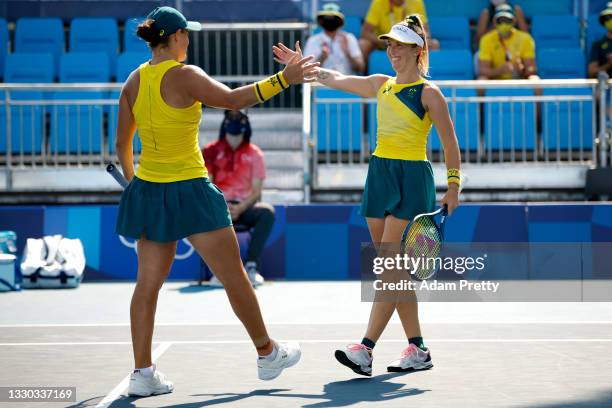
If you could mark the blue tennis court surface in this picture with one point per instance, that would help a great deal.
(485, 354)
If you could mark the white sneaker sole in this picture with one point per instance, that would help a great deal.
(147, 393)
(267, 374)
(346, 361)
(417, 367)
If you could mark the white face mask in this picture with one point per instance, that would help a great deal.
(496, 3)
(233, 140)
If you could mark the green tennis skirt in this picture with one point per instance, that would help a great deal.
(402, 188)
(166, 212)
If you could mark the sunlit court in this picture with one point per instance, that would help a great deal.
(306, 203)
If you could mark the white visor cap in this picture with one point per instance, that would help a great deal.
(403, 34)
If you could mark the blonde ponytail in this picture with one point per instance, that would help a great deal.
(415, 23)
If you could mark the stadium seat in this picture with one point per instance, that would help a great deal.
(546, 7)
(40, 35)
(555, 31)
(3, 45)
(26, 121)
(504, 127)
(465, 120)
(78, 128)
(594, 32)
(129, 61)
(567, 125)
(378, 63)
(352, 24)
(561, 63)
(339, 125)
(451, 64)
(452, 32)
(96, 35)
(470, 8)
(131, 42)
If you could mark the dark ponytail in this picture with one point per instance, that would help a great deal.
(415, 23)
(147, 32)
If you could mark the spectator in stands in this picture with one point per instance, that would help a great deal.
(333, 48)
(506, 52)
(600, 58)
(485, 19)
(382, 15)
(237, 167)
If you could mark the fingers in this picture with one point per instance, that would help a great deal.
(304, 60)
(284, 47)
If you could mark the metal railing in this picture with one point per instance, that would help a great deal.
(545, 121)
(245, 49)
(66, 125)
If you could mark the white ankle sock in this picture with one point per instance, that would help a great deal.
(146, 372)
(272, 355)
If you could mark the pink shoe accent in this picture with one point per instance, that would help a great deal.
(357, 347)
(411, 349)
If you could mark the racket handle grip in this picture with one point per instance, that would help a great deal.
(119, 178)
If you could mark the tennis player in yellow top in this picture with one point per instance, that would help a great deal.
(400, 182)
(170, 197)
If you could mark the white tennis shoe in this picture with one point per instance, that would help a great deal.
(287, 355)
(143, 386)
(357, 357)
(412, 359)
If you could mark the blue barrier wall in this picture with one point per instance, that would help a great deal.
(309, 242)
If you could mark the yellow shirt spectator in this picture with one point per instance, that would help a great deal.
(383, 14)
(519, 45)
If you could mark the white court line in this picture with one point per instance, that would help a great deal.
(311, 341)
(293, 323)
(116, 392)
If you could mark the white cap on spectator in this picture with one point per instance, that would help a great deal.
(403, 34)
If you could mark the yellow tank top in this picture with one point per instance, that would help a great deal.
(169, 136)
(403, 122)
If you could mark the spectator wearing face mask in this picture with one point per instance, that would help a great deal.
(334, 48)
(384, 14)
(506, 52)
(600, 58)
(484, 21)
(237, 167)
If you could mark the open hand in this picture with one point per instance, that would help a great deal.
(299, 69)
(283, 54)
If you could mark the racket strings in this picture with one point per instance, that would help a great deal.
(423, 241)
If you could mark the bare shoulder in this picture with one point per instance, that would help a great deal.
(131, 85)
(378, 80)
(432, 95)
(191, 71)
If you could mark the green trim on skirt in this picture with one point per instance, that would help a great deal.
(167, 212)
(402, 188)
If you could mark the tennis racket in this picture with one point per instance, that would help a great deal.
(423, 238)
(117, 175)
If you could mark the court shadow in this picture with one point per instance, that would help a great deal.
(195, 288)
(91, 402)
(375, 389)
(335, 394)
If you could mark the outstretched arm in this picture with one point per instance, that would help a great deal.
(366, 87)
(210, 92)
